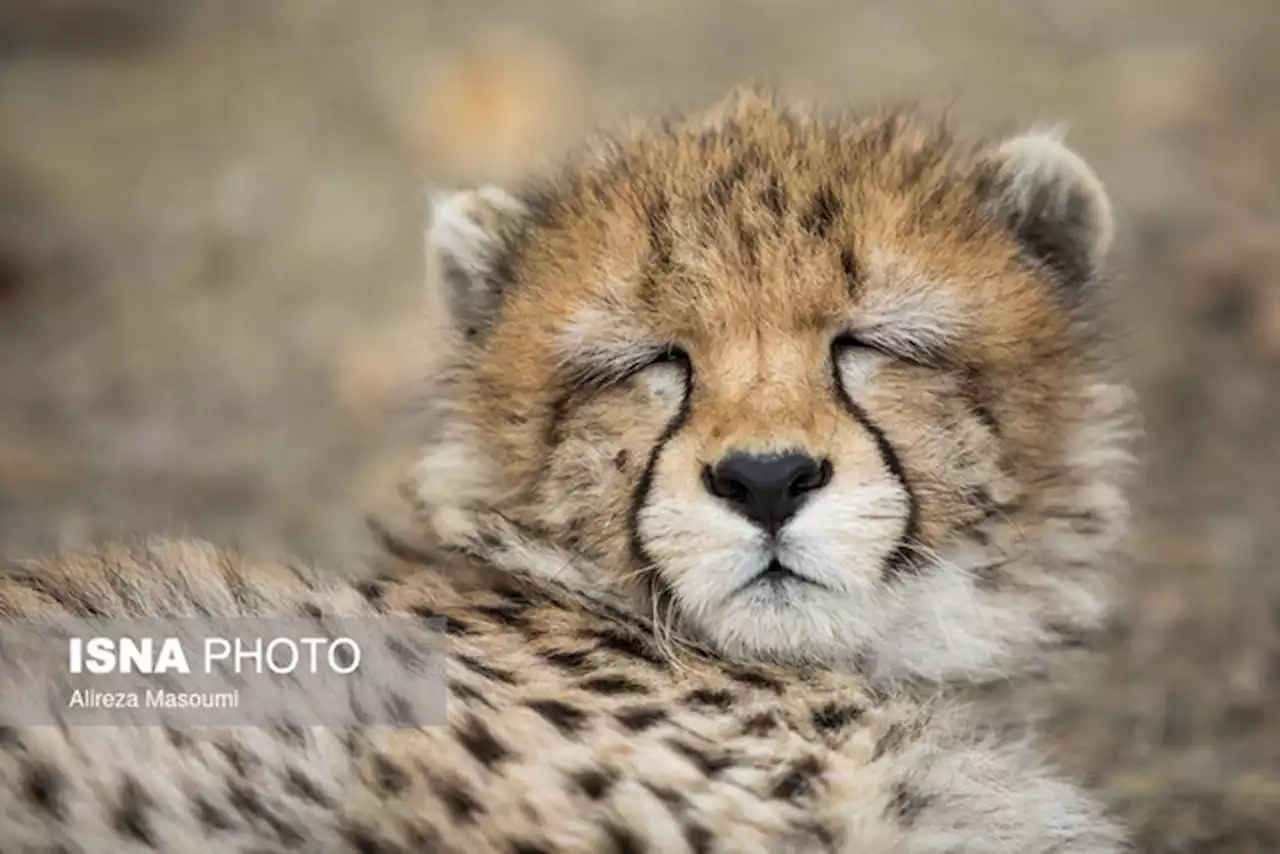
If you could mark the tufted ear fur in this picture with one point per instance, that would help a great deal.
(469, 244)
(1055, 204)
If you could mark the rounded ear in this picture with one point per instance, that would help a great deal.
(1053, 202)
(469, 244)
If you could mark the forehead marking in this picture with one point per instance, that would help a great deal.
(661, 246)
(824, 209)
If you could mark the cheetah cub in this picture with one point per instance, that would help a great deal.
(750, 417)
(808, 391)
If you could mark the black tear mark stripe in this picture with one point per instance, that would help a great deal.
(901, 559)
(641, 494)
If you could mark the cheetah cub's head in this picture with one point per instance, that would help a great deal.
(811, 390)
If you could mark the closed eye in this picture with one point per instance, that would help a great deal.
(670, 353)
(898, 348)
(622, 366)
(850, 341)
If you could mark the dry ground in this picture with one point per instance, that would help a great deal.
(209, 270)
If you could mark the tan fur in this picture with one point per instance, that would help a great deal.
(745, 242)
(672, 298)
(692, 754)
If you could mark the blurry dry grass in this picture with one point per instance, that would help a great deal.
(209, 263)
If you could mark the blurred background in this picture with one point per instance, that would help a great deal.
(210, 221)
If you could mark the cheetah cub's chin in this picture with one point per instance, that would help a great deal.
(807, 389)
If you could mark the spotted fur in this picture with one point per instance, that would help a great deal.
(568, 730)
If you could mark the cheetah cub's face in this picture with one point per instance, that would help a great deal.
(811, 390)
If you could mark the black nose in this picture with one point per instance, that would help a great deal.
(768, 490)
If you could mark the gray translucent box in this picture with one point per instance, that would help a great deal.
(210, 671)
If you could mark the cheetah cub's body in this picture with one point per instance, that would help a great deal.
(569, 730)
(749, 418)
